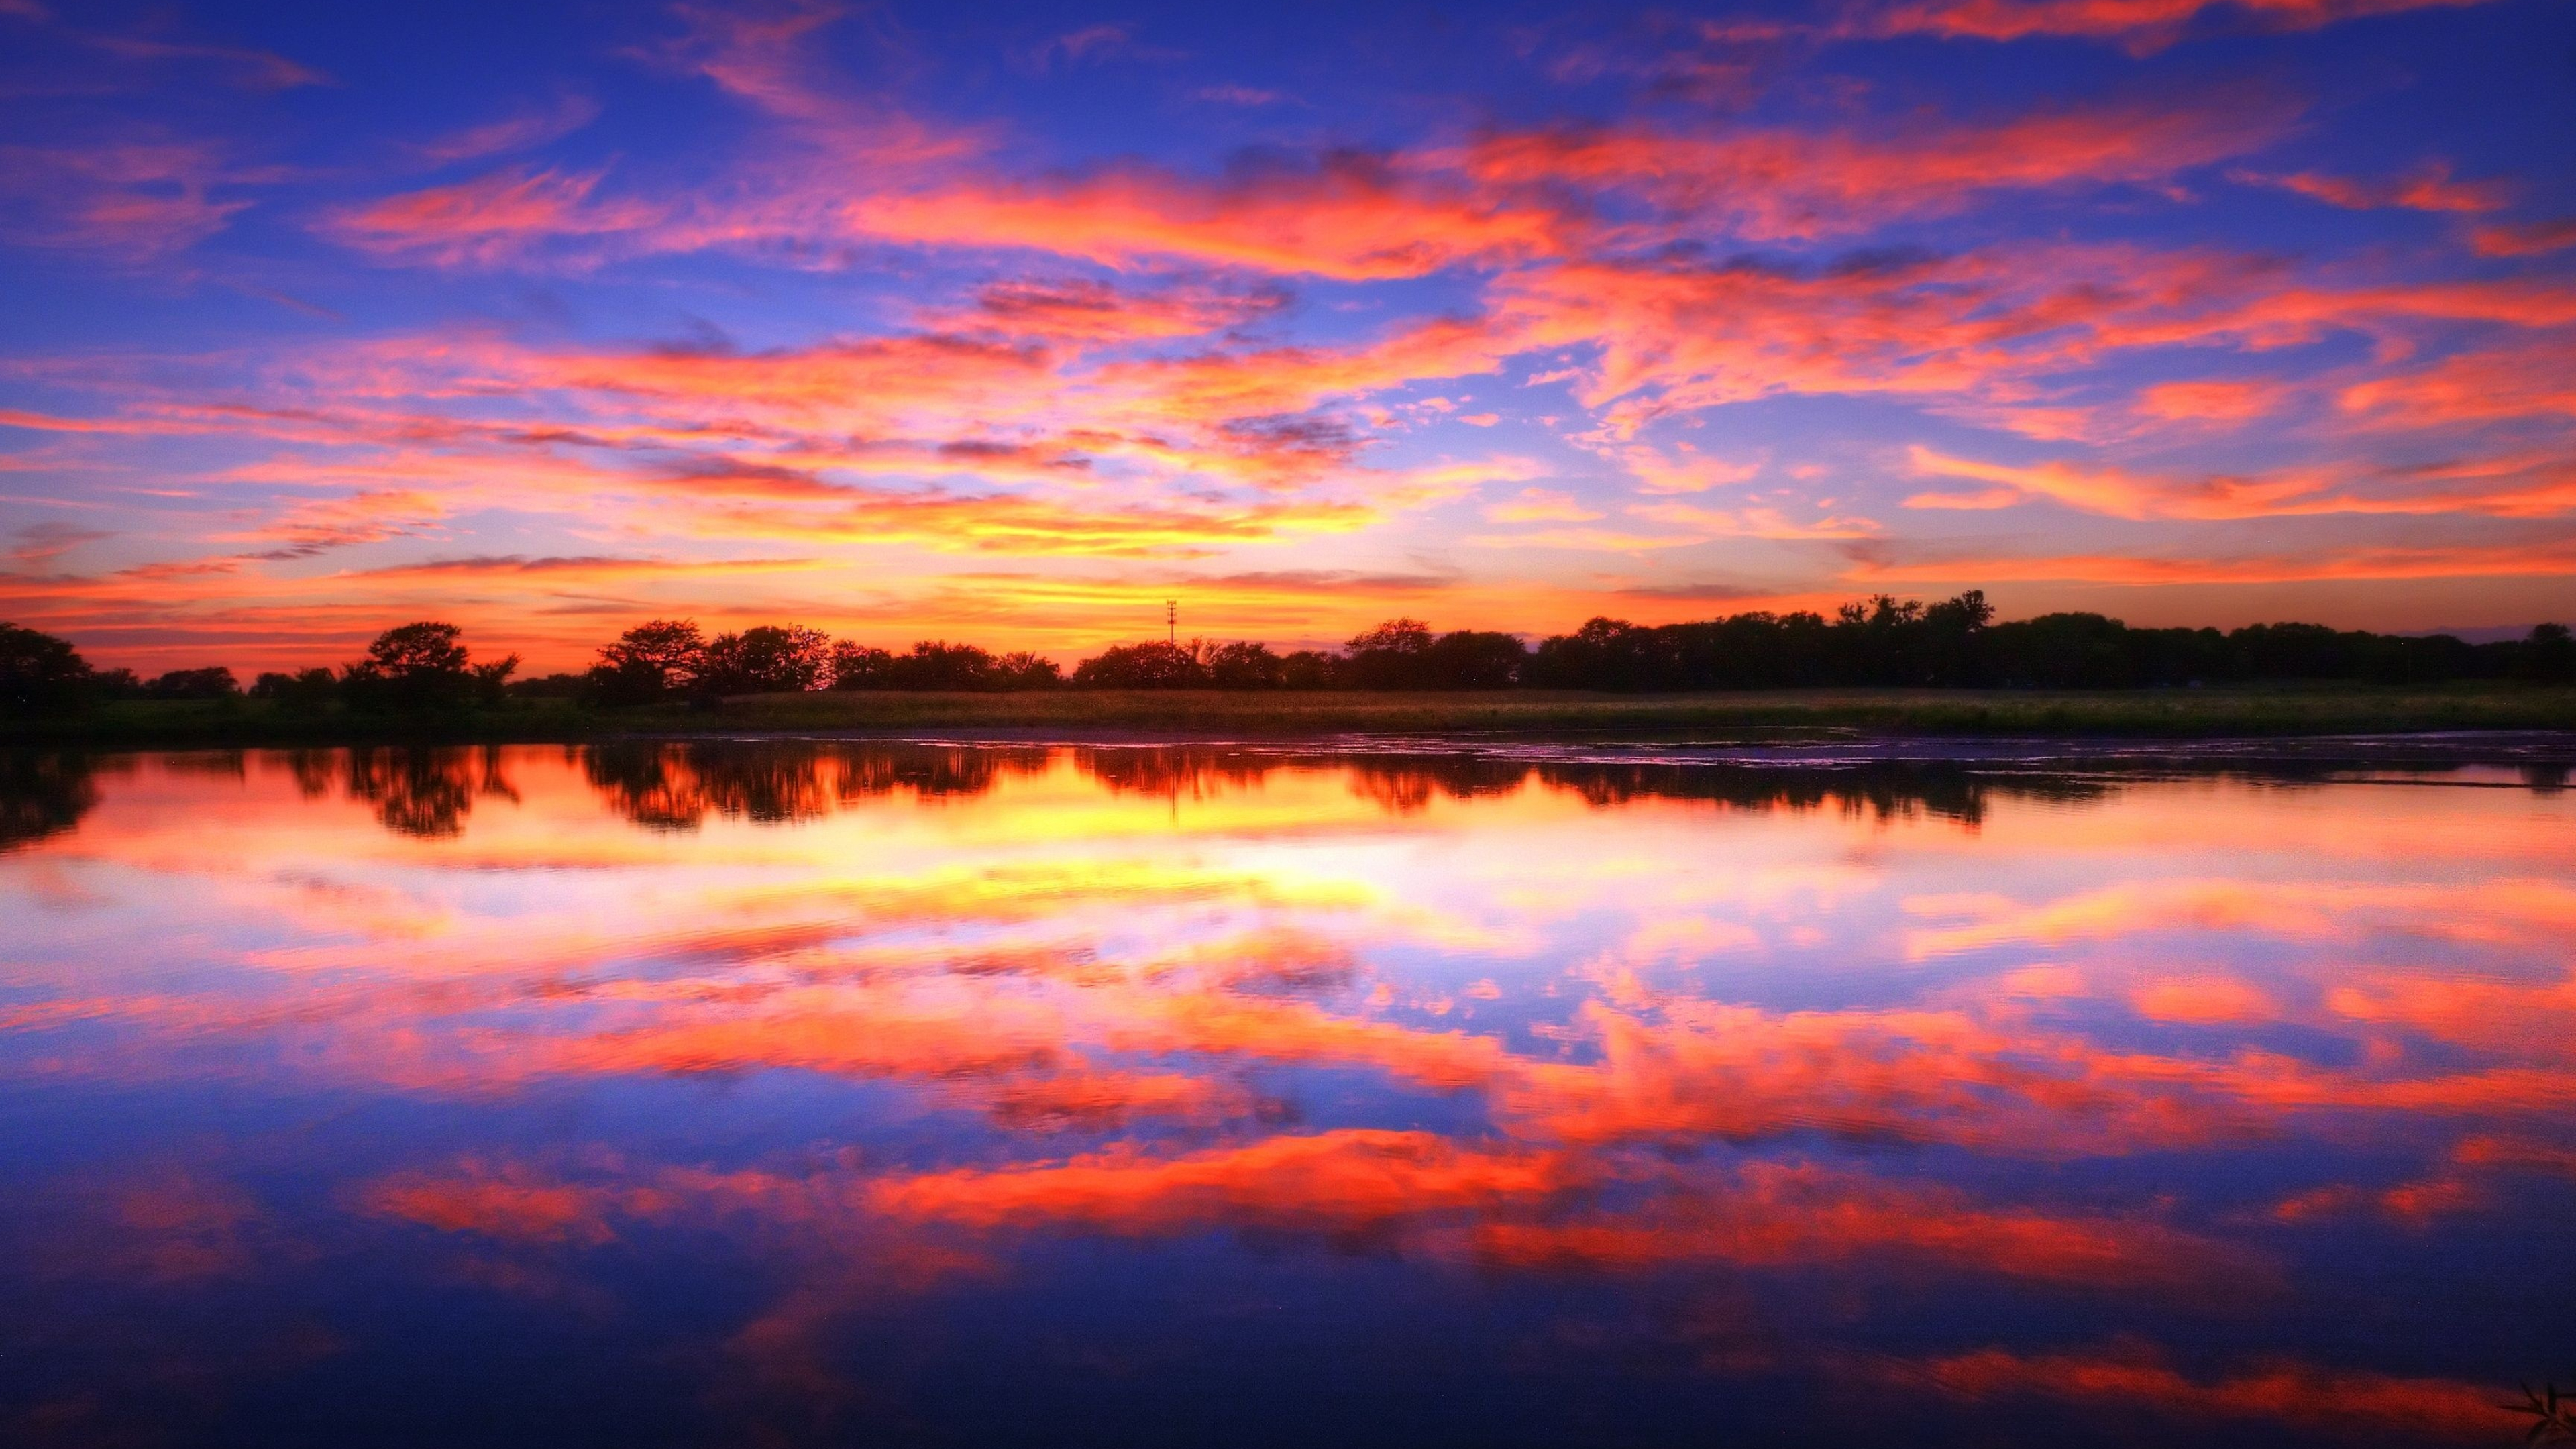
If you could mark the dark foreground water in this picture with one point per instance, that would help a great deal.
(747, 1094)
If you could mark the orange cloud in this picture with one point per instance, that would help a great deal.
(2459, 561)
(509, 1203)
(1802, 184)
(2202, 1000)
(1735, 1074)
(2286, 1392)
(2529, 239)
(2509, 486)
(1346, 219)
(2111, 490)
(2143, 26)
(2532, 380)
(2232, 400)
(1340, 1182)
(1780, 1213)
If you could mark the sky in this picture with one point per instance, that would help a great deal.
(1011, 322)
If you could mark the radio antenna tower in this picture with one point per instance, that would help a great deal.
(1172, 621)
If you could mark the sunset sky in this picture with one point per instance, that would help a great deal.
(1008, 323)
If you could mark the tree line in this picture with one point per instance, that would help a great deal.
(1880, 641)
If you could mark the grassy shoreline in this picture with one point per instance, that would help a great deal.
(2273, 711)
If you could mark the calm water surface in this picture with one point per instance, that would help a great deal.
(739, 1094)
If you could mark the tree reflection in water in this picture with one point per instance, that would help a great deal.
(42, 793)
(426, 791)
(676, 786)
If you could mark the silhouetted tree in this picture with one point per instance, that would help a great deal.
(653, 660)
(40, 673)
(214, 683)
(306, 691)
(119, 683)
(423, 667)
(1244, 665)
(1026, 669)
(558, 685)
(1405, 654)
(2063, 651)
(2548, 654)
(1154, 664)
(861, 666)
(1604, 654)
(1472, 659)
(1311, 669)
(1880, 640)
(2292, 651)
(938, 664)
(1391, 655)
(766, 659)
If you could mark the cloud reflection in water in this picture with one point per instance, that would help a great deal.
(847, 1078)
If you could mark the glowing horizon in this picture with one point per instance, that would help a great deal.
(1010, 327)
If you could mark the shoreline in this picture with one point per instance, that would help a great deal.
(1185, 716)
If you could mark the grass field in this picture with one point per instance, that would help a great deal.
(2178, 714)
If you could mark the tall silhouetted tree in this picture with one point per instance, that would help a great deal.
(40, 673)
(1390, 656)
(653, 660)
(424, 667)
(2548, 654)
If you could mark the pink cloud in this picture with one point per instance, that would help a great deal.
(132, 201)
(516, 132)
(506, 216)
(2427, 189)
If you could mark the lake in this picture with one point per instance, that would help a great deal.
(770, 1092)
